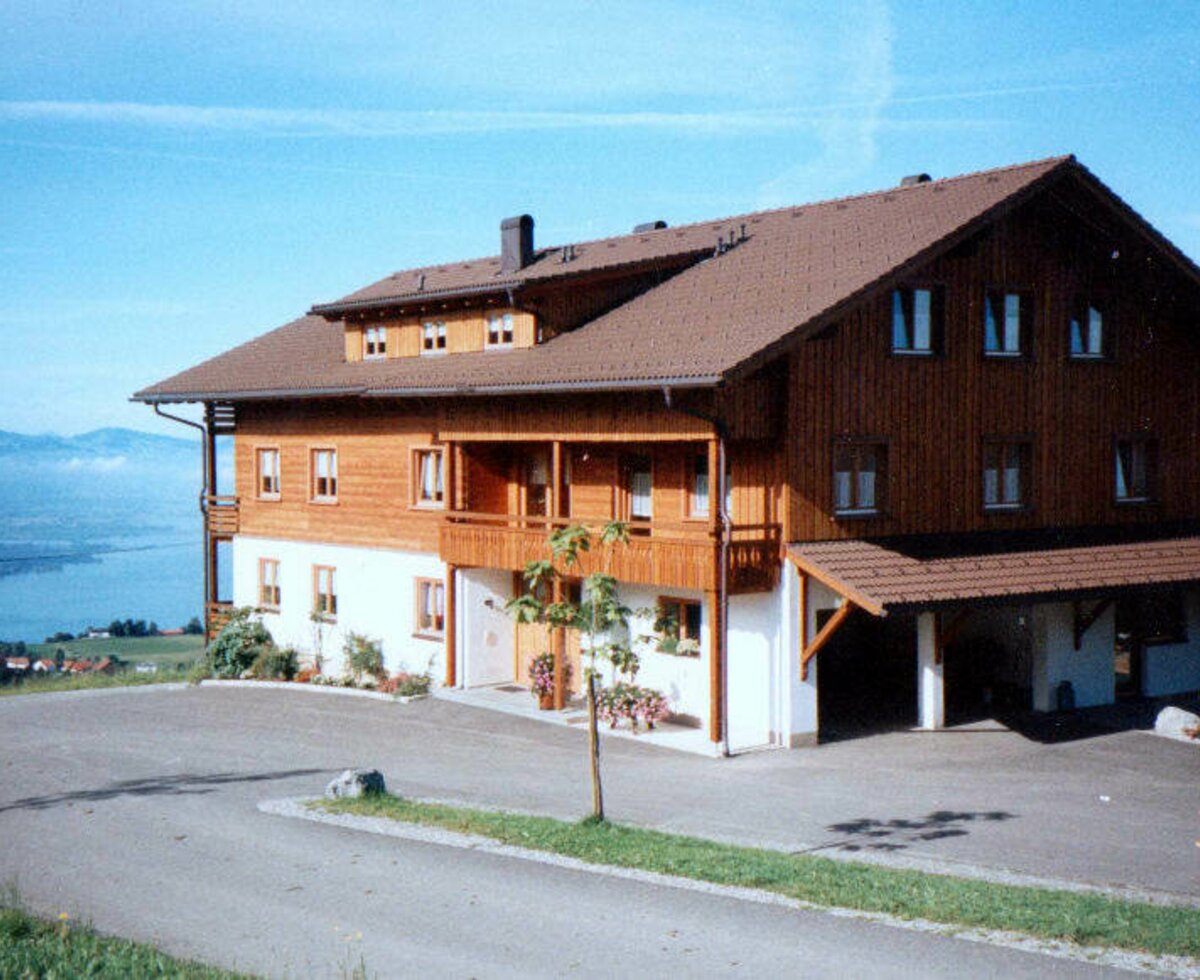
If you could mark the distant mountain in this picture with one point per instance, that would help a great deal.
(108, 442)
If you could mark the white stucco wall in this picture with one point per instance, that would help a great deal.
(754, 652)
(1172, 668)
(797, 699)
(375, 591)
(684, 680)
(1055, 659)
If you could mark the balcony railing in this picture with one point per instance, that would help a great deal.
(676, 556)
(221, 513)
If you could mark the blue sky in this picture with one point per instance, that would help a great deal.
(179, 177)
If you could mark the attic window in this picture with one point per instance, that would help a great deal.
(375, 342)
(499, 330)
(433, 337)
(917, 321)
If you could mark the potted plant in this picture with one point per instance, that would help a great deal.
(541, 680)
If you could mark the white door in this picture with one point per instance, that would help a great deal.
(487, 631)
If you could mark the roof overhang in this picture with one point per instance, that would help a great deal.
(888, 577)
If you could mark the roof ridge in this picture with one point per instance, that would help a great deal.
(691, 225)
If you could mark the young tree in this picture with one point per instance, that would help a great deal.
(600, 618)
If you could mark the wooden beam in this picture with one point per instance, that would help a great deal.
(554, 504)
(864, 602)
(823, 637)
(451, 611)
(716, 657)
(715, 479)
(557, 649)
(803, 610)
(1084, 621)
(450, 462)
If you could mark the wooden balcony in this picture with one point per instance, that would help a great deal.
(221, 513)
(669, 556)
(216, 615)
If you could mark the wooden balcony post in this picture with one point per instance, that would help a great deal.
(557, 649)
(451, 476)
(554, 505)
(714, 488)
(451, 612)
(716, 657)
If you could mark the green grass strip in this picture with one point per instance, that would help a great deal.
(33, 947)
(51, 683)
(1077, 917)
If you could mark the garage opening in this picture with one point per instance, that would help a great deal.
(867, 676)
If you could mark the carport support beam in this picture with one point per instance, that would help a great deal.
(451, 625)
(931, 691)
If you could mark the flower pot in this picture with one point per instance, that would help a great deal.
(546, 700)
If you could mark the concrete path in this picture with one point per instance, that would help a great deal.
(138, 809)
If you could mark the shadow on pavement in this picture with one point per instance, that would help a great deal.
(869, 834)
(183, 784)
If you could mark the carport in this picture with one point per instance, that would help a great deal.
(1060, 600)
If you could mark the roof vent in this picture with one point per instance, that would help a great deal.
(649, 226)
(516, 243)
(913, 179)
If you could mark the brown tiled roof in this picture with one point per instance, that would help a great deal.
(796, 267)
(878, 578)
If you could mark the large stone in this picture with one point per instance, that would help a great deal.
(1176, 723)
(354, 783)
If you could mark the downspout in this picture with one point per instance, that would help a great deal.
(203, 495)
(722, 431)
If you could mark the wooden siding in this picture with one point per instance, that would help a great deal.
(934, 412)
(374, 461)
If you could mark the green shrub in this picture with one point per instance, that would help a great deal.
(200, 671)
(363, 656)
(272, 663)
(238, 644)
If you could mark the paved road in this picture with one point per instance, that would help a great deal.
(137, 809)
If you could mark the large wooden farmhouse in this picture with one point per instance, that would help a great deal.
(903, 456)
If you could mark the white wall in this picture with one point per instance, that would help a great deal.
(755, 628)
(1055, 659)
(684, 680)
(375, 592)
(1173, 668)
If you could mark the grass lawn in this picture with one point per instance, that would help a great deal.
(1086, 919)
(33, 947)
(50, 683)
(166, 651)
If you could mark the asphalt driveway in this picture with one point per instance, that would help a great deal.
(1114, 810)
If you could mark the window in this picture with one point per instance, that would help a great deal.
(916, 321)
(537, 485)
(1087, 334)
(324, 592)
(430, 613)
(324, 475)
(499, 330)
(859, 478)
(428, 489)
(268, 583)
(375, 342)
(1006, 475)
(433, 337)
(698, 492)
(677, 626)
(1136, 465)
(638, 485)
(1007, 319)
(268, 474)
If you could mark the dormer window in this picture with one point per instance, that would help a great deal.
(433, 337)
(375, 342)
(499, 330)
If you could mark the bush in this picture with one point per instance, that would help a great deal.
(200, 672)
(363, 656)
(238, 644)
(406, 685)
(273, 663)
